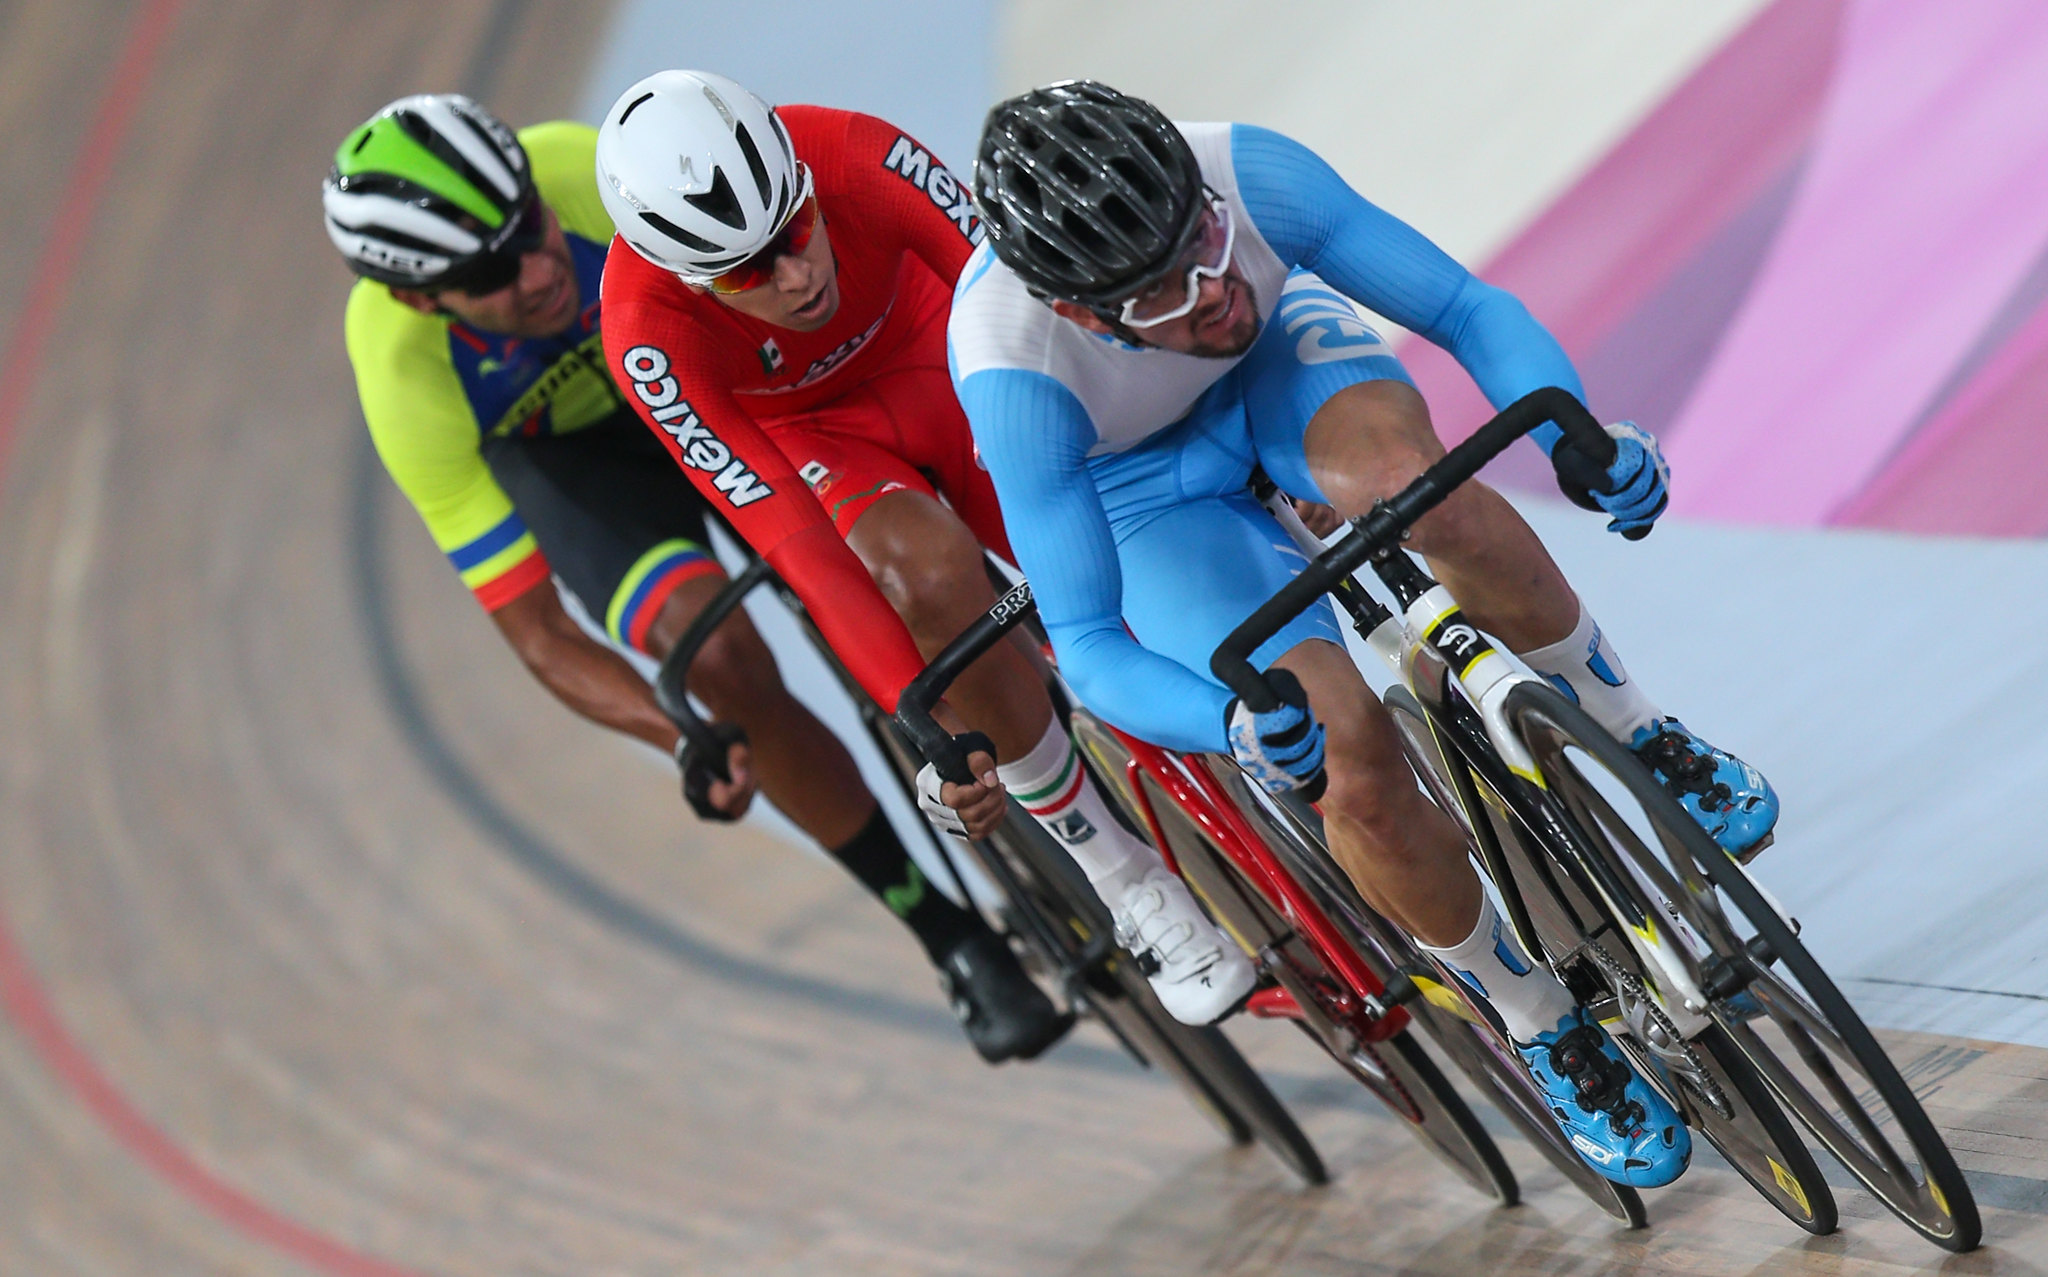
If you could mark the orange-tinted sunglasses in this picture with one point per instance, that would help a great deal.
(794, 237)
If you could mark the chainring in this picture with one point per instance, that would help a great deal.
(1652, 1028)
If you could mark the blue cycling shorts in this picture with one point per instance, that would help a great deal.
(1198, 553)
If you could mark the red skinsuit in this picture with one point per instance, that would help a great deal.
(791, 436)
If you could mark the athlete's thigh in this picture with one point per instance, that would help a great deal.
(932, 434)
(620, 525)
(845, 468)
(1194, 571)
(1314, 347)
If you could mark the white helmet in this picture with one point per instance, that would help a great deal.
(696, 172)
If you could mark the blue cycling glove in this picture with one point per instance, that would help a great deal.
(1633, 490)
(1283, 747)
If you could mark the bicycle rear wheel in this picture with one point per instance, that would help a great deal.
(1776, 1004)
(1396, 1071)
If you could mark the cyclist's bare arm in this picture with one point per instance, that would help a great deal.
(597, 683)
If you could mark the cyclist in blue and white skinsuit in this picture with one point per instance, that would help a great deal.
(1140, 330)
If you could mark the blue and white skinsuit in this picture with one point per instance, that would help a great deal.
(1123, 471)
(1123, 478)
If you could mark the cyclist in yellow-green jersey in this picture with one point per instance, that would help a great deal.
(474, 333)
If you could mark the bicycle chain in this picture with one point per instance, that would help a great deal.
(1628, 988)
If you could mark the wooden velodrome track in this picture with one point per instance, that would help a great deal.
(329, 944)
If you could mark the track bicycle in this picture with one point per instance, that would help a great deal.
(1047, 911)
(1693, 967)
(1331, 965)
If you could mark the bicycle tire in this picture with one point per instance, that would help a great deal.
(1396, 1071)
(1718, 1092)
(1693, 877)
(1221, 1082)
(1205, 1060)
(1477, 1049)
(1215, 1076)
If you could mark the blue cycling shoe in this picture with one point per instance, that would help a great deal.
(1619, 1123)
(1730, 799)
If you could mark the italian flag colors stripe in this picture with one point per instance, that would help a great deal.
(1063, 790)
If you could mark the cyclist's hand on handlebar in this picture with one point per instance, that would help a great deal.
(971, 811)
(1633, 490)
(1317, 518)
(1283, 747)
(714, 797)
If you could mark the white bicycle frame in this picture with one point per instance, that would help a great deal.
(1486, 684)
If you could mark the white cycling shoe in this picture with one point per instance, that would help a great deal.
(1196, 969)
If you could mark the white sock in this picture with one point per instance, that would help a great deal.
(1530, 999)
(1585, 668)
(1050, 783)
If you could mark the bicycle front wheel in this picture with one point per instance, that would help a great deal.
(1714, 1087)
(1396, 1071)
(1774, 1001)
(1210, 1069)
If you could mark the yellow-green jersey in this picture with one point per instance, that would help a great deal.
(433, 389)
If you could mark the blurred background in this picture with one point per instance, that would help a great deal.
(329, 943)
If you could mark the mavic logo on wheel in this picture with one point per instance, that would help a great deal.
(647, 368)
(915, 165)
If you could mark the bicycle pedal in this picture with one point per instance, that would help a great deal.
(1402, 989)
(1399, 991)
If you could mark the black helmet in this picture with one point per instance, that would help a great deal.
(1088, 195)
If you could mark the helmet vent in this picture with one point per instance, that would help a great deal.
(718, 105)
(1090, 239)
(754, 164)
(720, 202)
(1135, 176)
(1027, 189)
(695, 242)
(633, 106)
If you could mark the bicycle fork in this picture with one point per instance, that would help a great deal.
(1429, 642)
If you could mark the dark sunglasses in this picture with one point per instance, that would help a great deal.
(497, 267)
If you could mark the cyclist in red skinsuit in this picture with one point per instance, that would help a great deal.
(863, 405)
(776, 304)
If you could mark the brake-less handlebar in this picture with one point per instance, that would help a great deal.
(944, 751)
(706, 743)
(1380, 530)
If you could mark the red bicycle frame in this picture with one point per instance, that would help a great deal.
(1198, 795)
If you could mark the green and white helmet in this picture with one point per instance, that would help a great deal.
(428, 185)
